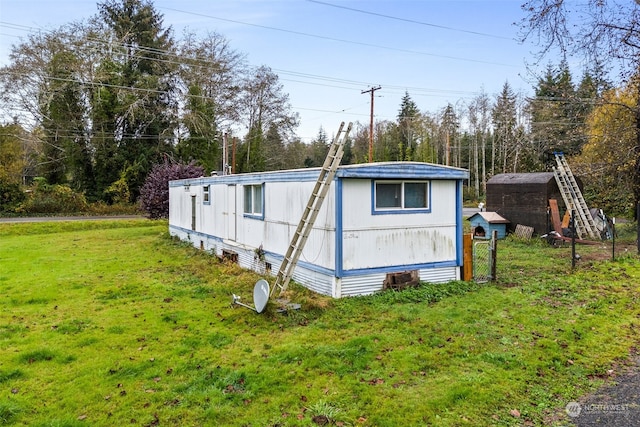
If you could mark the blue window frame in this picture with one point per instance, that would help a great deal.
(401, 197)
(254, 201)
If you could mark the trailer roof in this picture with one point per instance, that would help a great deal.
(383, 170)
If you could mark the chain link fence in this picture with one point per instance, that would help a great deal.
(482, 261)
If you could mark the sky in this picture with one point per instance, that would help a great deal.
(328, 52)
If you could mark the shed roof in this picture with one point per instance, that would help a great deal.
(522, 178)
(491, 217)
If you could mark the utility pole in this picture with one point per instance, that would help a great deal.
(371, 90)
(225, 156)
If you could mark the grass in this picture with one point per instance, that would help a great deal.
(112, 323)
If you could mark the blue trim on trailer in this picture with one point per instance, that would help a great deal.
(339, 229)
(305, 264)
(197, 233)
(459, 222)
(397, 268)
(297, 175)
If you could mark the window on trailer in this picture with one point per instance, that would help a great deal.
(401, 196)
(253, 200)
(206, 195)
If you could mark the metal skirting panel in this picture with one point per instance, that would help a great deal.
(440, 275)
(317, 282)
(362, 285)
(371, 283)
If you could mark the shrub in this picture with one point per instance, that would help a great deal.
(154, 194)
(49, 199)
(11, 195)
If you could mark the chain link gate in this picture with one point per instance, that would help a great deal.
(483, 260)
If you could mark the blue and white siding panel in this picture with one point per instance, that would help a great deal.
(375, 241)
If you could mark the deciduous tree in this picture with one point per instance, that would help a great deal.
(604, 32)
(607, 161)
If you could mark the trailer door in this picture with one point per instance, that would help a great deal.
(231, 212)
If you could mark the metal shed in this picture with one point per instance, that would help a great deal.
(378, 219)
(523, 198)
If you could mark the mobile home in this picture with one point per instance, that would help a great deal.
(378, 219)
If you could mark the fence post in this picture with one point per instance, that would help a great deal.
(573, 240)
(467, 258)
(494, 254)
(613, 238)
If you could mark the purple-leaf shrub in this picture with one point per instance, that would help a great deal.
(154, 194)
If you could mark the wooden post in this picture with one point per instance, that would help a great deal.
(494, 255)
(467, 258)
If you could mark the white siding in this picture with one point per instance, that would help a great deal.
(284, 205)
(371, 241)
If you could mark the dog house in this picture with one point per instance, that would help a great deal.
(485, 223)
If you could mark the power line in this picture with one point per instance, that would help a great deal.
(300, 33)
(443, 27)
(200, 62)
(173, 58)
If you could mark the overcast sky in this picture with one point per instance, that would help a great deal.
(327, 52)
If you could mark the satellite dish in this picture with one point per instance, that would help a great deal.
(261, 295)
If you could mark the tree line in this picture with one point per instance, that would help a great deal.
(111, 97)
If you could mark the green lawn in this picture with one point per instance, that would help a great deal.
(114, 323)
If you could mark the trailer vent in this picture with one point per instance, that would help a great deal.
(231, 256)
(401, 280)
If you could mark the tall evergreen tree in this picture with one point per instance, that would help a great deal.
(408, 117)
(427, 149)
(62, 117)
(318, 150)
(554, 122)
(449, 130)
(275, 150)
(504, 121)
(145, 121)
